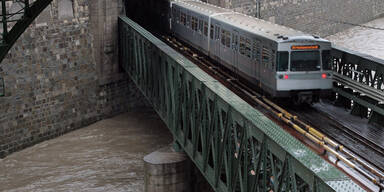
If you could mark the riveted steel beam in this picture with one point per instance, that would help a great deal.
(235, 146)
(15, 22)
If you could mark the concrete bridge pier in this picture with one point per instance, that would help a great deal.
(167, 171)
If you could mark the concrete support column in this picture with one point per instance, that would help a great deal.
(167, 171)
(104, 16)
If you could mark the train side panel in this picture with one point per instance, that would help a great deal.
(251, 56)
(185, 26)
(246, 48)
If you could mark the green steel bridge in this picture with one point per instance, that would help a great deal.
(235, 146)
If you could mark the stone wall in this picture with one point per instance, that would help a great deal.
(63, 74)
(321, 17)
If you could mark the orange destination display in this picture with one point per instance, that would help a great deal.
(304, 47)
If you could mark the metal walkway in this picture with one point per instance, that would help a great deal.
(15, 22)
(235, 146)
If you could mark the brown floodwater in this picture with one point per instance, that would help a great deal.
(105, 156)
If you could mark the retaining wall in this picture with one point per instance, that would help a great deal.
(63, 74)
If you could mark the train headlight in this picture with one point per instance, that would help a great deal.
(286, 77)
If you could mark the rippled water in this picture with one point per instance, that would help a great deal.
(106, 156)
(362, 39)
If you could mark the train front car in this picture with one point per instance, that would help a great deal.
(283, 62)
(304, 69)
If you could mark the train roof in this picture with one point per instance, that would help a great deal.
(248, 23)
(208, 7)
(258, 26)
(201, 7)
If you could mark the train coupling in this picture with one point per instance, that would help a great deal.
(304, 97)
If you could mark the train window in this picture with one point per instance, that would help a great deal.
(194, 23)
(205, 28)
(223, 37)
(177, 18)
(235, 41)
(200, 26)
(242, 45)
(245, 46)
(217, 33)
(174, 13)
(188, 20)
(305, 61)
(211, 33)
(282, 61)
(254, 50)
(226, 38)
(327, 60)
(273, 59)
(183, 18)
(265, 56)
(248, 47)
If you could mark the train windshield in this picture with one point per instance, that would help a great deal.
(327, 60)
(282, 61)
(305, 61)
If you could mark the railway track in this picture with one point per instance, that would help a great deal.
(367, 142)
(365, 148)
(378, 149)
(358, 164)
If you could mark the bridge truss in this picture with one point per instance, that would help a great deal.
(359, 83)
(16, 19)
(235, 146)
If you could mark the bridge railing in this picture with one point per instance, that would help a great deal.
(235, 146)
(359, 78)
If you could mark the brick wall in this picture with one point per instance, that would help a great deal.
(321, 17)
(55, 80)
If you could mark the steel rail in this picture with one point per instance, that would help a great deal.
(323, 140)
(293, 121)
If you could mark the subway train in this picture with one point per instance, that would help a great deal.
(283, 62)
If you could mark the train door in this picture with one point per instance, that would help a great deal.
(256, 60)
(206, 38)
(193, 24)
(273, 68)
(188, 29)
(235, 50)
(266, 65)
(201, 36)
(203, 30)
(217, 40)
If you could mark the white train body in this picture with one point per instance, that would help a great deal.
(281, 61)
